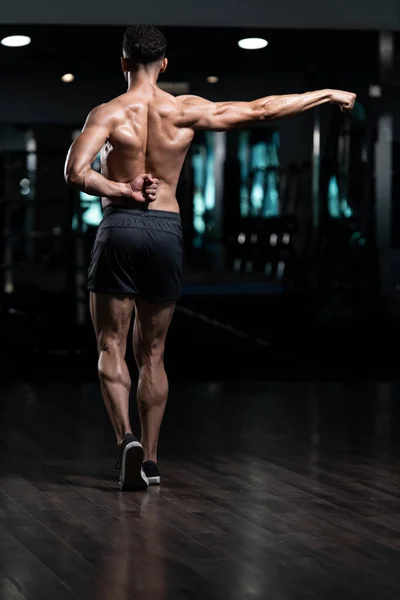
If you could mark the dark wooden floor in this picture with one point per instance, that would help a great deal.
(278, 491)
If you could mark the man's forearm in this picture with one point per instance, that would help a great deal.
(95, 184)
(276, 107)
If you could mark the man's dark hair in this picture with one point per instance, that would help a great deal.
(144, 44)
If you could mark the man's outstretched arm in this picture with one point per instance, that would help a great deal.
(199, 113)
(78, 167)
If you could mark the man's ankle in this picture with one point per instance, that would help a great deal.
(150, 457)
(122, 439)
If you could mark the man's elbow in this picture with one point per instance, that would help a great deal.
(257, 114)
(73, 178)
(266, 109)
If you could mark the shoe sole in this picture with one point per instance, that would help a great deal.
(132, 475)
(154, 480)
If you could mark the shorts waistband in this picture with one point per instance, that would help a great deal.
(143, 213)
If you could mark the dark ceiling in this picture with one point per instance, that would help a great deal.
(202, 50)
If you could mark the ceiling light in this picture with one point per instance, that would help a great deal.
(212, 79)
(252, 43)
(16, 41)
(375, 91)
(68, 78)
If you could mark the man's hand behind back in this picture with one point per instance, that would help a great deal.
(345, 100)
(144, 188)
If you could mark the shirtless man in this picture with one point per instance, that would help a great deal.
(136, 262)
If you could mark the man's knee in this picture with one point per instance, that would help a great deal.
(149, 354)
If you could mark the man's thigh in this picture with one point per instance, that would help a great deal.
(152, 321)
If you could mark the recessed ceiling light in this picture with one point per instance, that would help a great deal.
(16, 41)
(68, 78)
(252, 43)
(375, 91)
(212, 79)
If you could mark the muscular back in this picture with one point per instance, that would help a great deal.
(149, 131)
(147, 136)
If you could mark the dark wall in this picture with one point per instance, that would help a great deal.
(351, 14)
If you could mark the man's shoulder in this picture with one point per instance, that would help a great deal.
(107, 111)
(191, 102)
(101, 109)
(190, 99)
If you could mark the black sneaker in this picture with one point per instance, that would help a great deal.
(130, 462)
(152, 473)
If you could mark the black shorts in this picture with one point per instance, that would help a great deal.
(138, 252)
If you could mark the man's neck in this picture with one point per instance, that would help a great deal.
(142, 76)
